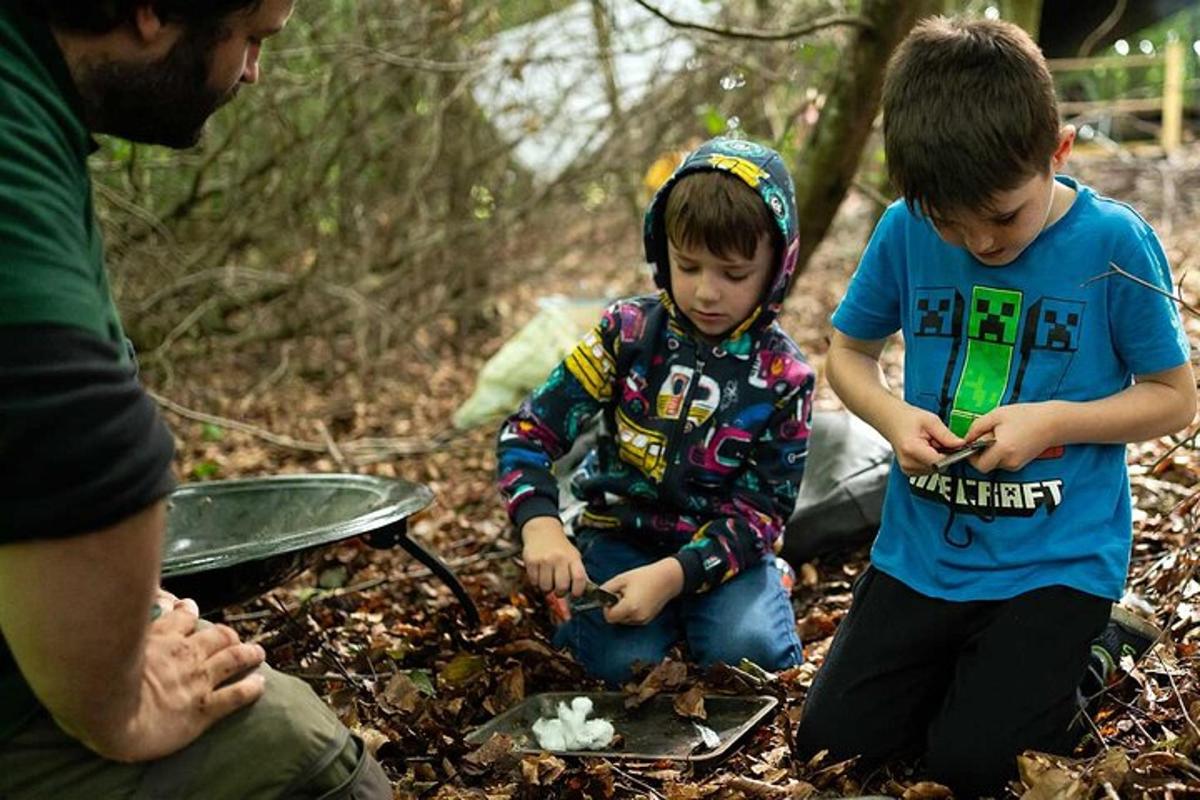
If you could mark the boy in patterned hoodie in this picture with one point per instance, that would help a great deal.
(706, 405)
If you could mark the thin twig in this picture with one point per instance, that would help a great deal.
(635, 780)
(851, 20)
(179, 330)
(1175, 687)
(358, 452)
(1116, 270)
(334, 450)
(1187, 441)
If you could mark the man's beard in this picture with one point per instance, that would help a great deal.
(166, 102)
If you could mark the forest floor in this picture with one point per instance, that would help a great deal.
(388, 648)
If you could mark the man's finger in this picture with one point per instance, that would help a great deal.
(180, 619)
(214, 639)
(232, 661)
(239, 694)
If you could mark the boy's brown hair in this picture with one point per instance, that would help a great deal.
(969, 111)
(720, 212)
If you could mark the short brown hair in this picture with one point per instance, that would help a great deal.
(719, 211)
(969, 110)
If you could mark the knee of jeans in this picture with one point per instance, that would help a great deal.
(746, 642)
(614, 665)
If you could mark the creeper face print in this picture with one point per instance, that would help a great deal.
(934, 312)
(991, 339)
(1058, 325)
(1052, 330)
(937, 324)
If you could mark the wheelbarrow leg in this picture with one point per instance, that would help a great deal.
(397, 534)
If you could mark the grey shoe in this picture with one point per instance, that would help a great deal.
(1126, 634)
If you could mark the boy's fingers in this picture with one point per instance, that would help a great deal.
(945, 439)
(578, 577)
(562, 579)
(980, 426)
(616, 613)
(535, 573)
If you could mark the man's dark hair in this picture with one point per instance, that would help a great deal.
(969, 111)
(102, 16)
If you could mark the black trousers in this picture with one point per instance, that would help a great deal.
(966, 685)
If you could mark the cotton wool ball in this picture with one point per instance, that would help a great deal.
(571, 730)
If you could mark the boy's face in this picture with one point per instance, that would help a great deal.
(997, 235)
(717, 293)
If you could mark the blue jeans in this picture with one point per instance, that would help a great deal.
(750, 616)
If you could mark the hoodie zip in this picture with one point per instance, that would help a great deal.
(675, 442)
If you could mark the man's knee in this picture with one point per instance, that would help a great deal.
(302, 749)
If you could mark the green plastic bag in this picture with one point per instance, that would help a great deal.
(525, 360)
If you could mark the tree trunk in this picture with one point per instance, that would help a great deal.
(826, 165)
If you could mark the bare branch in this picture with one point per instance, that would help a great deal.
(849, 20)
(1116, 270)
(362, 451)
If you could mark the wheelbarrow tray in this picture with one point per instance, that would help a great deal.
(229, 541)
(649, 732)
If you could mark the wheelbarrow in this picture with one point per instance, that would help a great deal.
(230, 541)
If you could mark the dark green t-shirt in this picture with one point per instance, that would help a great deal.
(81, 444)
(51, 255)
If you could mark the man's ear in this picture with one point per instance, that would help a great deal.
(1066, 141)
(147, 24)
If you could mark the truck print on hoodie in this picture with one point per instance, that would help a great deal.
(703, 443)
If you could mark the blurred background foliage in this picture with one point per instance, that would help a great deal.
(360, 190)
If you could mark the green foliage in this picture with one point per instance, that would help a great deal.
(205, 470)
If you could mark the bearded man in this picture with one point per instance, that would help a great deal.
(110, 687)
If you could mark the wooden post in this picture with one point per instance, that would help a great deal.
(1172, 104)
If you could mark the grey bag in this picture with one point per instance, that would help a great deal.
(841, 496)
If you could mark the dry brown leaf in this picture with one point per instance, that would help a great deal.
(462, 669)
(926, 790)
(401, 694)
(690, 704)
(489, 753)
(666, 676)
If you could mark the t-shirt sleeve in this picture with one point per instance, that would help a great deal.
(871, 307)
(47, 253)
(81, 443)
(1148, 333)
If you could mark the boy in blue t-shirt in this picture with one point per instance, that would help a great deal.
(969, 634)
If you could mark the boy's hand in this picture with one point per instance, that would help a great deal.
(919, 439)
(551, 561)
(644, 592)
(1023, 432)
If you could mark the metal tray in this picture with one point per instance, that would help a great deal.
(650, 732)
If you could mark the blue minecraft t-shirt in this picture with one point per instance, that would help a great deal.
(976, 337)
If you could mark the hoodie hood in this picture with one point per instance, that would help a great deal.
(763, 170)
